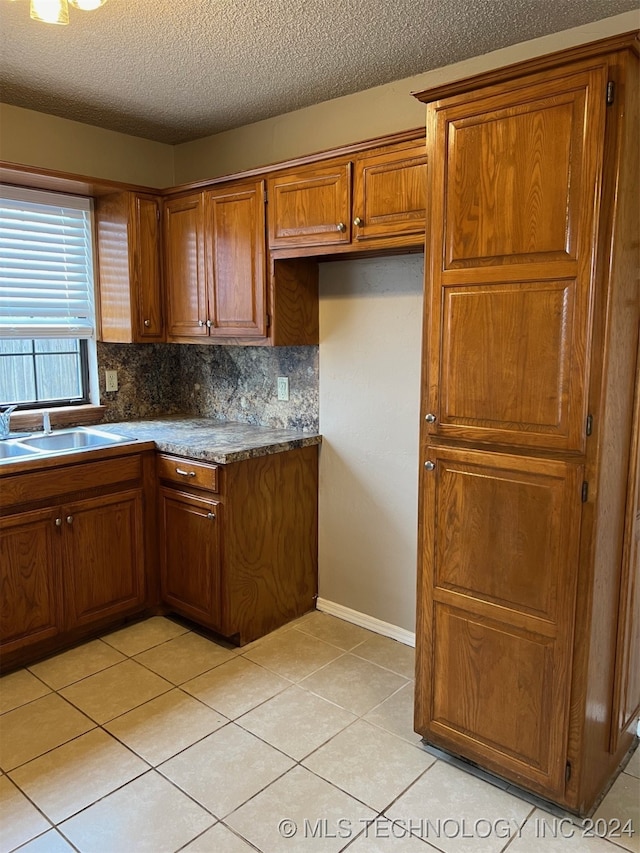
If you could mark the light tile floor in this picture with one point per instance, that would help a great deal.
(157, 739)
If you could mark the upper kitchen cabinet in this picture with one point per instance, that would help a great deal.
(184, 267)
(215, 270)
(373, 200)
(129, 267)
(310, 206)
(389, 194)
(236, 268)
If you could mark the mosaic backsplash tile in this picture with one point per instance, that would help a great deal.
(228, 383)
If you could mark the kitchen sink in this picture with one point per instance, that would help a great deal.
(59, 441)
(72, 439)
(13, 450)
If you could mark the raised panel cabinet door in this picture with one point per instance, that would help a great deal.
(104, 556)
(496, 593)
(30, 582)
(513, 210)
(310, 207)
(147, 272)
(389, 193)
(235, 228)
(190, 567)
(184, 267)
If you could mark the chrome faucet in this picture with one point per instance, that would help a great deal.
(5, 421)
(46, 422)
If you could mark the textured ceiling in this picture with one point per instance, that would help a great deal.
(175, 70)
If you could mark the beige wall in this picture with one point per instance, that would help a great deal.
(370, 320)
(48, 142)
(364, 115)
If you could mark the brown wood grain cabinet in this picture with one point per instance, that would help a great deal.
(389, 194)
(239, 541)
(30, 579)
(310, 206)
(184, 267)
(128, 230)
(528, 572)
(72, 552)
(215, 265)
(375, 200)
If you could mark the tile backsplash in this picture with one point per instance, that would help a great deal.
(231, 383)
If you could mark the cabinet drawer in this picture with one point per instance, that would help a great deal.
(186, 472)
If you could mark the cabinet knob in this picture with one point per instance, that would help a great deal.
(429, 465)
(58, 522)
(209, 324)
(201, 322)
(358, 222)
(184, 473)
(341, 227)
(430, 419)
(69, 519)
(211, 515)
(147, 323)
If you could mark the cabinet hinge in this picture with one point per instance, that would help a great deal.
(268, 320)
(158, 213)
(567, 772)
(589, 428)
(611, 92)
(264, 196)
(585, 491)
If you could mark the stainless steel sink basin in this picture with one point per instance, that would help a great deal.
(71, 439)
(13, 450)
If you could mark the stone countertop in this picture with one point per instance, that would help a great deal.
(212, 440)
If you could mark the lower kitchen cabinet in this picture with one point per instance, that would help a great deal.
(30, 589)
(103, 556)
(190, 555)
(240, 540)
(72, 552)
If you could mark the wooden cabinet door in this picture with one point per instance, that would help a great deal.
(515, 192)
(147, 274)
(190, 573)
(236, 267)
(30, 578)
(390, 193)
(496, 598)
(310, 207)
(184, 270)
(104, 556)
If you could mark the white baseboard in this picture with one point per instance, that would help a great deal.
(366, 621)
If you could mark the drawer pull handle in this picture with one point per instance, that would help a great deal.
(184, 473)
(211, 515)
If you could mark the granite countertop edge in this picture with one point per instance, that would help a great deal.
(209, 440)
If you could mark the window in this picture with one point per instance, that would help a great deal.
(47, 315)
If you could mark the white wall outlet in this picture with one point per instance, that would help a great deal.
(283, 388)
(111, 380)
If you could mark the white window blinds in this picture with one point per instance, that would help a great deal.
(46, 265)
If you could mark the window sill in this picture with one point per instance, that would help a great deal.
(63, 416)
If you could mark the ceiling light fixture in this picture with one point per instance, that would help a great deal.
(57, 11)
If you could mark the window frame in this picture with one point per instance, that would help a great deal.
(87, 369)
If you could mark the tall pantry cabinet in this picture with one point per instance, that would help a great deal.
(527, 593)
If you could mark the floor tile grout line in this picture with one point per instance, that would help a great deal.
(35, 806)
